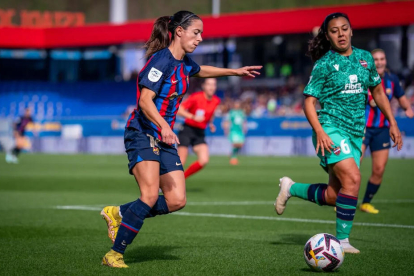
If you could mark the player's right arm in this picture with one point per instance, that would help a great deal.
(312, 93)
(147, 106)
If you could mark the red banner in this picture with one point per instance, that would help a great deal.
(383, 14)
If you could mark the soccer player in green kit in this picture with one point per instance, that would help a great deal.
(235, 127)
(340, 79)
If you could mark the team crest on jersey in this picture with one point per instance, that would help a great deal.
(363, 63)
(337, 150)
(154, 74)
(156, 150)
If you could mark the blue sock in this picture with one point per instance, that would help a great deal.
(160, 207)
(372, 189)
(132, 221)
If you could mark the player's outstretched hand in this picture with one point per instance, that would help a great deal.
(323, 142)
(396, 137)
(249, 71)
(168, 136)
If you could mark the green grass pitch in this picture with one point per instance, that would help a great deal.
(237, 232)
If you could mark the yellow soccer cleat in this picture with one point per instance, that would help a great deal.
(114, 259)
(111, 215)
(368, 208)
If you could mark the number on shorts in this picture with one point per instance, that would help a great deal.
(153, 141)
(344, 147)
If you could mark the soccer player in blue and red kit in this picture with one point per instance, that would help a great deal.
(377, 136)
(149, 139)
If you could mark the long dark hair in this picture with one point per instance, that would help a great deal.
(320, 45)
(164, 25)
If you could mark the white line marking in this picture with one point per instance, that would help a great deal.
(92, 208)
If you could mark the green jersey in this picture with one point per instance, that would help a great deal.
(236, 118)
(341, 85)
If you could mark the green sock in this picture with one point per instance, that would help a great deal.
(235, 152)
(345, 212)
(313, 192)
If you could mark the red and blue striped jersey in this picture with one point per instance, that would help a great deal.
(169, 79)
(373, 115)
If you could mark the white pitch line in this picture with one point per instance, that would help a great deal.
(296, 202)
(92, 208)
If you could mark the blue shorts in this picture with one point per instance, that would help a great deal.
(377, 138)
(143, 147)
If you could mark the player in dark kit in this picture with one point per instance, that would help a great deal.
(198, 111)
(19, 132)
(149, 139)
(377, 136)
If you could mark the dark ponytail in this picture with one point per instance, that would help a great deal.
(320, 45)
(160, 37)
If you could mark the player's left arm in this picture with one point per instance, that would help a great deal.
(383, 103)
(214, 72)
(211, 125)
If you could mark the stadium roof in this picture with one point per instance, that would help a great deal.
(303, 20)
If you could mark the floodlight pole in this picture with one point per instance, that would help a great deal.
(118, 11)
(216, 8)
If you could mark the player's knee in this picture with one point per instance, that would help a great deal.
(177, 204)
(354, 182)
(378, 171)
(203, 160)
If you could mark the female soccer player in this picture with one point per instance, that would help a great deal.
(149, 139)
(340, 79)
(235, 126)
(377, 136)
(198, 111)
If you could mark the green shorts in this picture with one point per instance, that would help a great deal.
(345, 146)
(236, 138)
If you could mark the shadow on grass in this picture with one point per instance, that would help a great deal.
(150, 253)
(296, 239)
(308, 269)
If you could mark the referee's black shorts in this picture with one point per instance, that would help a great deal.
(191, 136)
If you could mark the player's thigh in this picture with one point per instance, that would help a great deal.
(147, 175)
(173, 188)
(348, 174)
(201, 150)
(183, 153)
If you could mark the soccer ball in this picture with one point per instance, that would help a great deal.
(324, 252)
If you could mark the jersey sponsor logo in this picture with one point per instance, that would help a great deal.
(336, 67)
(363, 63)
(385, 145)
(353, 87)
(154, 74)
(175, 95)
(174, 82)
(177, 164)
(388, 91)
(376, 78)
